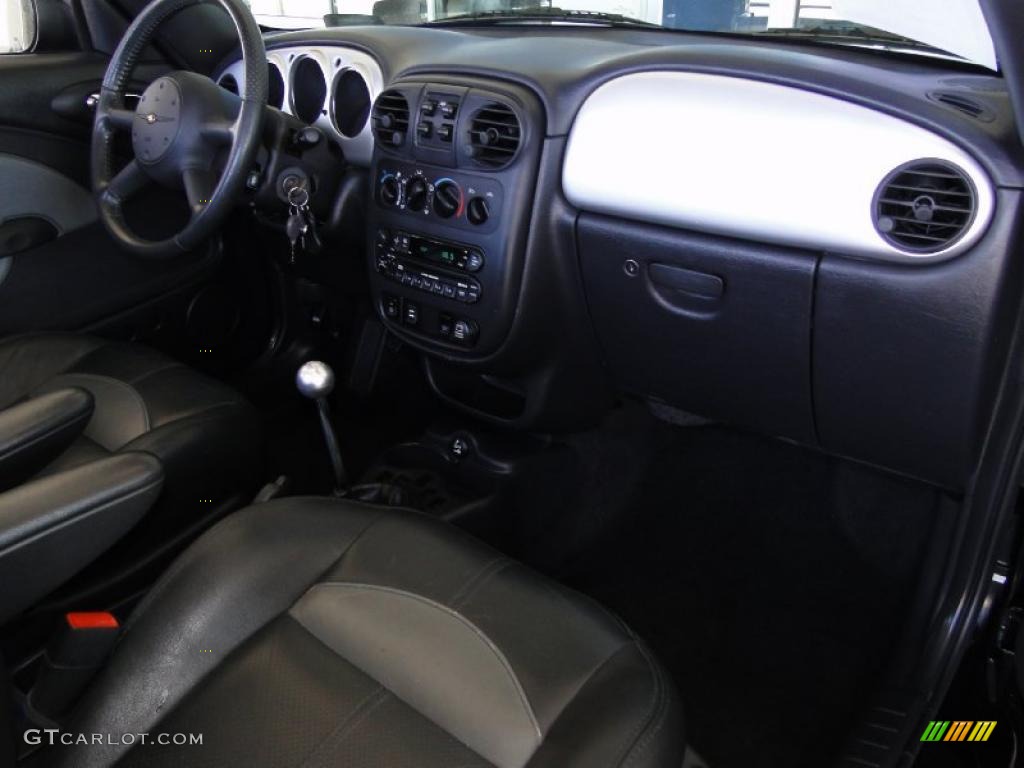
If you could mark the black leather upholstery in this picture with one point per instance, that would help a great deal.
(319, 632)
(53, 527)
(36, 431)
(206, 437)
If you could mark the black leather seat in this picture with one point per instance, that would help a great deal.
(205, 435)
(318, 632)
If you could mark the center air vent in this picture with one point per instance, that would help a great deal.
(494, 135)
(391, 119)
(924, 206)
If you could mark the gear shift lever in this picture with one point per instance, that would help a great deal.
(315, 380)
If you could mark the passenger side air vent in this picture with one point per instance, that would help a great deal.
(494, 135)
(391, 119)
(924, 206)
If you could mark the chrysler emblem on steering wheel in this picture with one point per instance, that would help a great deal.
(153, 117)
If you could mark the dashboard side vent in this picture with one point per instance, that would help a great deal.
(391, 119)
(494, 135)
(924, 206)
(964, 104)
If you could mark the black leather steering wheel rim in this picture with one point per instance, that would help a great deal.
(210, 201)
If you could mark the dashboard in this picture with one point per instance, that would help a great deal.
(812, 242)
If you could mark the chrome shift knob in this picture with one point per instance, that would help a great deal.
(315, 379)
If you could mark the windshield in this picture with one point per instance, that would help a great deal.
(909, 25)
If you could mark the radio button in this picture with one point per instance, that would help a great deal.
(465, 331)
(474, 261)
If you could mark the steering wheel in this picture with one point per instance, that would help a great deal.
(182, 123)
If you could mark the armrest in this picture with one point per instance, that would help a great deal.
(53, 527)
(36, 431)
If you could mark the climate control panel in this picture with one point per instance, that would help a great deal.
(451, 189)
(457, 200)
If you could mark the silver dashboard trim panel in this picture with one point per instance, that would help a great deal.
(332, 59)
(751, 159)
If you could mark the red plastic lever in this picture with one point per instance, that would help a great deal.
(92, 620)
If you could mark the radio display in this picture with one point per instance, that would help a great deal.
(446, 254)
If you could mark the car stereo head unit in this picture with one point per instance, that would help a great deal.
(440, 252)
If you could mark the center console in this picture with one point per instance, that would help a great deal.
(453, 176)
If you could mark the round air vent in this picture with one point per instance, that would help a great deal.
(228, 83)
(275, 86)
(494, 135)
(924, 206)
(350, 103)
(309, 89)
(391, 119)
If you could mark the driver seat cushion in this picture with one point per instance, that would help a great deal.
(322, 632)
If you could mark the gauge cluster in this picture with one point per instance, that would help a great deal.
(330, 87)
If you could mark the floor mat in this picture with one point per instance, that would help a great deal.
(768, 578)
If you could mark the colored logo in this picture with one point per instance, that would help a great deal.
(958, 730)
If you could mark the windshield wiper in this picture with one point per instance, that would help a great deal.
(853, 34)
(560, 15)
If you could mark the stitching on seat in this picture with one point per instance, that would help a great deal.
(148, 374)
(458, 617)
(182, 562)
(370, 702)
(111, 380)
(639, 740)
(474, 582)
(196, 418)
(203, 410)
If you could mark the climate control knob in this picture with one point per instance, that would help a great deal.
(447, 198)
(478, 211)
(390, 190)
(416, 193)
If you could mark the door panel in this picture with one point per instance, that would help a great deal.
(66, 273)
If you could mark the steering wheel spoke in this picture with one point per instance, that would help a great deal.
(128, 182)
(220, 131)
(119, 118)
(199, 186)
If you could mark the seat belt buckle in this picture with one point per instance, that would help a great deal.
(71, 660)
